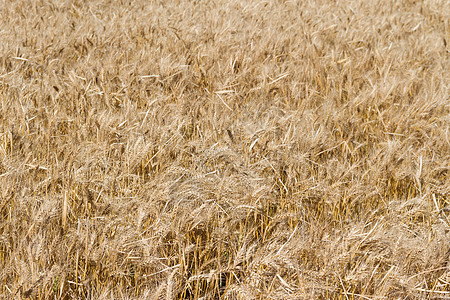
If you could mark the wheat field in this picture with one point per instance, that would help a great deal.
(224, 149)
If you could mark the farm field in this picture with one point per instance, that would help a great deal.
(224, 149)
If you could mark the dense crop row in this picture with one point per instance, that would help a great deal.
(224, 149)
